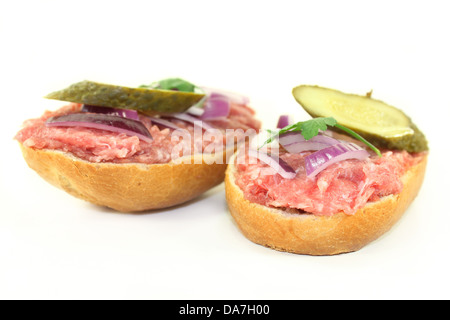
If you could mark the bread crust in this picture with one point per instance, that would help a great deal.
(320, 235)
(128, 187)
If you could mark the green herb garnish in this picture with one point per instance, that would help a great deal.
(172, 84)
(310, 128)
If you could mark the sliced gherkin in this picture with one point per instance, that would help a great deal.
(144, 100)
(383, 125)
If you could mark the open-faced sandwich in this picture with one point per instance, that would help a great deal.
(331, 184)
(135, 149)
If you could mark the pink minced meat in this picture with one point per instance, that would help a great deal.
(97, 146)
(344, 186)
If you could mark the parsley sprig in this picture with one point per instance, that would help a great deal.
(310, 129)
(171, 84)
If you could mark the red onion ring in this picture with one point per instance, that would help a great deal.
(164, 123)
(216, 106)
(125, 113)
(294, 142)
(102, 122)
(319, 160)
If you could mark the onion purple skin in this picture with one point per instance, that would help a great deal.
(319, 160)
(164, 123)
(327, 150)
(216, 106)
(125, 113)
(101, 121)
(284, 121)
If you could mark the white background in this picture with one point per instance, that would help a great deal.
(55, 246)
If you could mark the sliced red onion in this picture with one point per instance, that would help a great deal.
(294, 142)
(305, 146)
(234, 97)
(188, 118)
(103, 122)
(319, 160)
(125, 113)
(164, 123)
(216, 106)
(278, 164)
(284, 121)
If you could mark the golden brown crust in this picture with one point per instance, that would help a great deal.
(319, 235)
(127, 187)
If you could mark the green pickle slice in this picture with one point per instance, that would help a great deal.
(383, 125)
(145, 100)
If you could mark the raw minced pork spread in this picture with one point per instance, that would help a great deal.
(97, 146)
(344, 186)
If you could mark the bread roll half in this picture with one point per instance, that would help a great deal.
(129, 187)
(320, 235)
